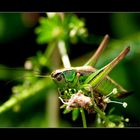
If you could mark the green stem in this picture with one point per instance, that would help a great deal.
(83, 117)
(63, 53)
(37, 87)
(50, 49)
(52, 103)
(102, 114)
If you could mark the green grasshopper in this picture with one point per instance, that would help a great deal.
(74, 82)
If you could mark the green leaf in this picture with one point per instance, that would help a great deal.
(66, 111)
(49, 29)
(55, 28)
(75, 113)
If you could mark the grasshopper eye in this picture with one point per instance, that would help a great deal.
(57, 76)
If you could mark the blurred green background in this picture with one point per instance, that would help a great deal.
(18, 42)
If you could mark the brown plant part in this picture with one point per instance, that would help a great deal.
(80, 100)
(99, 100)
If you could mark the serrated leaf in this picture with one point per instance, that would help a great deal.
(49, 29)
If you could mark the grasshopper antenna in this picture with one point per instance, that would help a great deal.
(21, 77)
(93, 60)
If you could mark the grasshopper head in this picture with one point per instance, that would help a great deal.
(63, 77)
(58, 77)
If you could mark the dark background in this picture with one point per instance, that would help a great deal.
(16, 48)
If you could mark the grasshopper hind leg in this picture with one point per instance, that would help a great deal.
(93, 60)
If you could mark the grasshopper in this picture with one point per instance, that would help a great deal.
(94, 84)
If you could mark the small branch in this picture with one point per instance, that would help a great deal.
(63, 53)
(26, 93)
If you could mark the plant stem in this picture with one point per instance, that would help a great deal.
(52, 109)
(102, 114)
(83, 117)
(52, 102)
(63, 53)
(40, 85)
